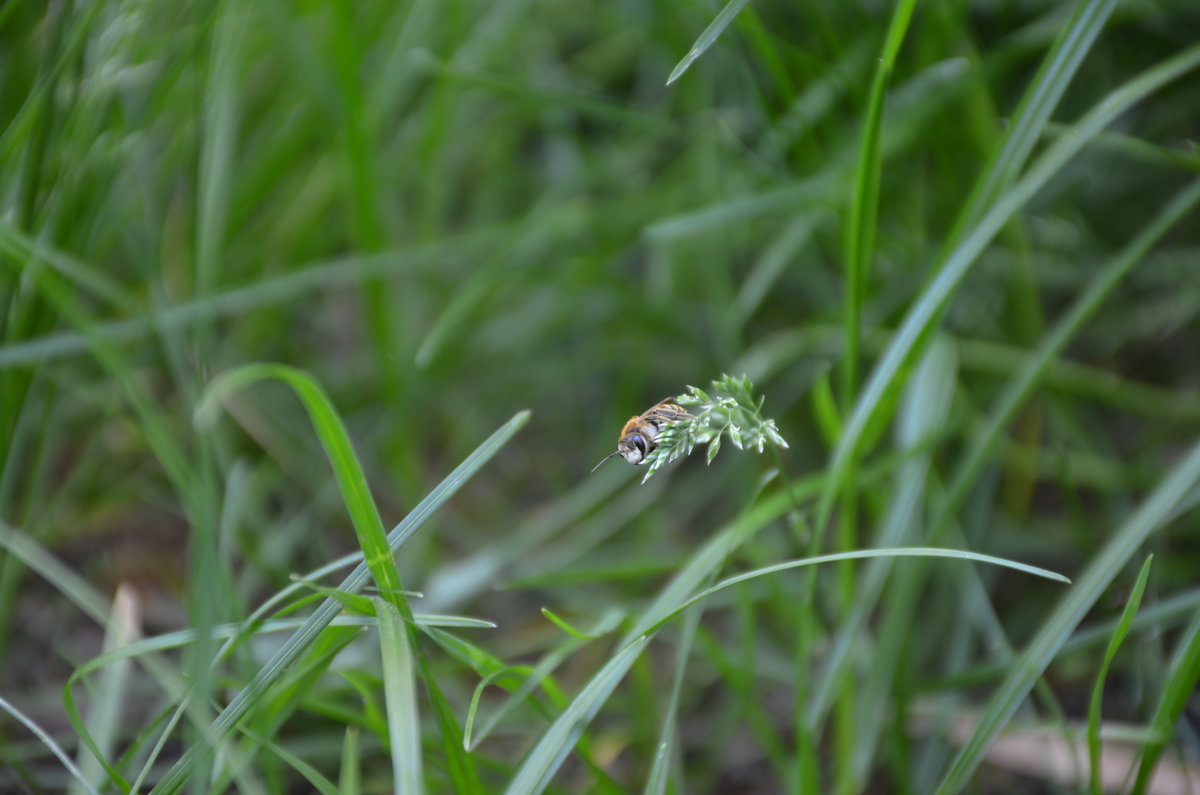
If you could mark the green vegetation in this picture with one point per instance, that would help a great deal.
(277, 276)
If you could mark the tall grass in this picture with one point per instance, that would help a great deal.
(274, 276)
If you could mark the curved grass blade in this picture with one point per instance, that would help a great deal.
(1054, 632)
(400, 699)
(515, 671)
(244, 701)
(1114, 643)
(352, 481)
(552, 748)
(562, 624)
(710, 35)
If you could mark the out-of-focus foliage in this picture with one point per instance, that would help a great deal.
(447, 211)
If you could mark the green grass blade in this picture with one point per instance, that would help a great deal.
(864, 203)
(1114, 643)
(552, 747)
(352, 481)
(400, 699)
(1178, 689)
(710, 35)
(926, 406)
(217, 151)
(925, 311)
(656, 781)
(231, 302)
(866, 554)
(1021, 384)
(1055, 631)
(1033, 112)
(556, 742)
(242, 703)
(350, 776)
(104, 712)
(313, 776)
(48, 741)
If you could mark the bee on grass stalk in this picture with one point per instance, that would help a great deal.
(668, 431)
(639, 437)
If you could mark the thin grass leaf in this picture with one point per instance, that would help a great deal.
(48, 741)
(565, 627)
(552, 747)
(352, 481)
(539, 675)
(517, 671)
(864, 554)
(1114, 643)
(400, 699)
(1020, 385)
(1058, 627)
(927, 309)
(218, 146)
(708, 37)
(1032, 115)
(242, 703)
(1178, 690)
(656, 781)
(233, 301)
(925, 408)
(104, 712)
(864, 202)
(350, 771)
(556, 742)
(313, 776)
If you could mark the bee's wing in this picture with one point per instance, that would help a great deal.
(658, 407)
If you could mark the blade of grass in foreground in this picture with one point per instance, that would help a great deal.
(1026, 669)
(1178, 689)
(352, 481)
(539, 767)
(245, 700)
(1114, 643)
(400, 699)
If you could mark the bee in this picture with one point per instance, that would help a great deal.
(640, 434)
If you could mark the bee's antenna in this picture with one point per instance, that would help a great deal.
(602, 460)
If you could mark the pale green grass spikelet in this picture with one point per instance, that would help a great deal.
(732, 411)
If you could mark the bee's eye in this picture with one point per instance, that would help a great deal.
(640, 443)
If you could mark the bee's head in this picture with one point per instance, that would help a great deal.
(633, 448)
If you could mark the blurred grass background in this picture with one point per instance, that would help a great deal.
(449, 212)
